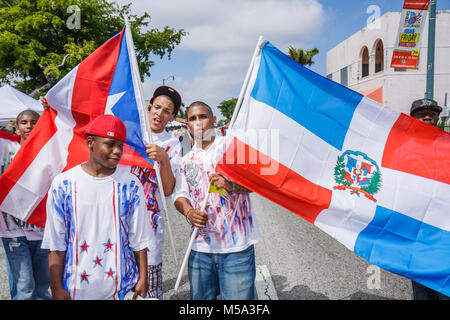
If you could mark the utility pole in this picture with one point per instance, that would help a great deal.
(431, 45)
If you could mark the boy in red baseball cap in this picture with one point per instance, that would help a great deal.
(97, 227)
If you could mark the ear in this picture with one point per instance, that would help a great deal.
(214, 119)
(90, 142)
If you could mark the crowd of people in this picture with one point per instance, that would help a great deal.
(103, 237)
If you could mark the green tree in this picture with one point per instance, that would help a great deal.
(304, 57)
(226, 108)
(40, 43)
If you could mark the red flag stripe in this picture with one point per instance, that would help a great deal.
(284, 186)
(418, 148)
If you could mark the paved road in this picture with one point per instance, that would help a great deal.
(303, 261)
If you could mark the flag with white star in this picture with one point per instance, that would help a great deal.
(106, 82)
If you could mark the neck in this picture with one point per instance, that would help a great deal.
(207, 143)
(95, 169)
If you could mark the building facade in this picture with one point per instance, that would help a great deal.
(362, 63)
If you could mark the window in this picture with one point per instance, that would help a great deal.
(344, 76)
(364, 62)
(379, 55)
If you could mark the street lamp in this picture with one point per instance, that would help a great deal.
(169, 77)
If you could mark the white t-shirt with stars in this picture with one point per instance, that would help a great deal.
(99, 222)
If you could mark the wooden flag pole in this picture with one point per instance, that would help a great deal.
(148, 140)
(233, 119)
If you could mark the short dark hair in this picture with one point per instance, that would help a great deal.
(202, 104)
(27, 112)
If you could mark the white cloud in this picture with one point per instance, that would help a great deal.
(227, 31)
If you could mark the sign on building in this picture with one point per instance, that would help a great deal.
(410, 33)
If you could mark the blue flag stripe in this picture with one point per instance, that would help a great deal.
(320, 105)
(408, 247)
(126, 108)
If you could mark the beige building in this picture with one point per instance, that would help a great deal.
(362, 62)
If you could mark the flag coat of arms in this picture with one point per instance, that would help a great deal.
(376, 180)
(106, 82)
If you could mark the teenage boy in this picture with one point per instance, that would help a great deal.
(166, 149)
(97, 227)
(26, 262)
(222, 260)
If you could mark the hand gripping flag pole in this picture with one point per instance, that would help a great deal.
(233, 119)
(147, 139)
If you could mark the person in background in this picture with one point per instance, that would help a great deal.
(26, 262)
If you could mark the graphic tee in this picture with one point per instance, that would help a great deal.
(99, 222)
(231, 225)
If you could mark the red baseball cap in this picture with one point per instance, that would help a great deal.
(108, 126)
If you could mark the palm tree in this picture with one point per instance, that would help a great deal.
(304, 57)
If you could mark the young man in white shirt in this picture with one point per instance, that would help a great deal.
(97, 227)
(222, 260)
(166, 149)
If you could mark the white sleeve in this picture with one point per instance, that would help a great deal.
(139, 232)
(181, 189)
(55, 230)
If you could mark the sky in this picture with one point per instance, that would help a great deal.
(211, 62)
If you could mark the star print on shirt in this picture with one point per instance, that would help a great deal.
(84, 247)
(110, 273)
(84, 277)
(108, 245)
(97, 262)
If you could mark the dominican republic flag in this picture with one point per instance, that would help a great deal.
(106, 82)
(374, 179)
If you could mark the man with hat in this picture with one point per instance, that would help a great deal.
(97, 227)
(426, 110)
(166, 149)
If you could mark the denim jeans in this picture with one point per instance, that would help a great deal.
(28, 273)
(232, 275)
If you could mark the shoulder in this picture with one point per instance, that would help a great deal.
(123, 175)
(66, 175)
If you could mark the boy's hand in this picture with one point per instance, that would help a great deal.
(44, 103)
(197, 218)
(156, 153)
(220, 182)
(140, 289)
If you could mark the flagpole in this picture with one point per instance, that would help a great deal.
(138, 86)
(233, 119)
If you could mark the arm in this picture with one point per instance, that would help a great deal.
(56, 266)
(156, 153)
(141, 261)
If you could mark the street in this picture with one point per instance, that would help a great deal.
(304, 263)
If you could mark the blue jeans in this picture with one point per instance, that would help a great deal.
(28, 273)
(230, 274)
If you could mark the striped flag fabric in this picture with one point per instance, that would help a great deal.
(106, 82)
(376, 180)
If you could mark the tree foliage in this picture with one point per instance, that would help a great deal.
(38, 46)
(304, 57)
(226, 108)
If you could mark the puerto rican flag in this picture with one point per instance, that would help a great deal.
(106, 82)
(297, 139)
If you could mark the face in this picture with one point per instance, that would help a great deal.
(105, 151)
(427, 116)
(200, 123)
(25, 124)
(161, 112)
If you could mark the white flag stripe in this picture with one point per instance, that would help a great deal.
(295, 147)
